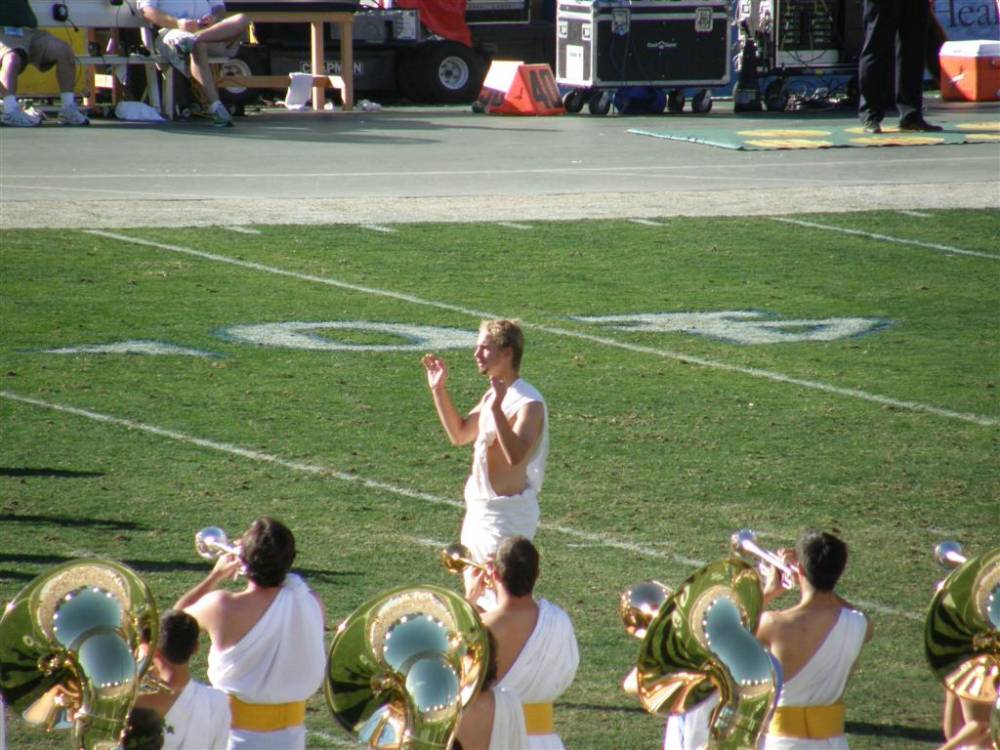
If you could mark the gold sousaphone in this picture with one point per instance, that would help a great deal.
(403, 666)
(701, 640)
(74, 646)
(962, 629)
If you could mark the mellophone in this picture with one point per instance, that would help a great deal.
(75, 645)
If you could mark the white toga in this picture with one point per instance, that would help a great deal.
(508, 731)
(490, 518)
(198, 719)
(821, 682)
(545, 667)
(689, 730)
(281, 660)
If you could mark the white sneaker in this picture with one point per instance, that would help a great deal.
(19, 119)
(72, 116)
(36, 115)
(220, 116)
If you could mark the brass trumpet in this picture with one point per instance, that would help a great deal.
(744, 542)
(212, 543)
(949, 554)
(456, 558)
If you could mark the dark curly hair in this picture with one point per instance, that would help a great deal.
(178, 638)
(517, 565)
(822, 558)
(268, 551)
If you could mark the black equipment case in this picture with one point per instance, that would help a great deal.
(665, 43)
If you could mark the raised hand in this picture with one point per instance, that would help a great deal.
(437, 371)
(499, 389)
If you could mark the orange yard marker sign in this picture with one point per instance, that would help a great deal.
(513, 88)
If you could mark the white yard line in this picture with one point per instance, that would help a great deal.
(647, 222)
(754, 372)
(601, 540)
(241, 230)
(378, 228)
(886, 238)
(515, 225)
(918, 214)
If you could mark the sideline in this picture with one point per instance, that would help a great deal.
(885, 237)
(776, 377)
(602, 540)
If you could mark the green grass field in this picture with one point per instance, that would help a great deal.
(664, 440)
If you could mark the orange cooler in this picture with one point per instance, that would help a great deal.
(970, 70)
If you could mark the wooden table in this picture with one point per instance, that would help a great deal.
(317, 59)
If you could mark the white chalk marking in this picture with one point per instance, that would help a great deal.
(155, 348)
(918, 214)
(603, 540)
(647, 222)
(378, 228)
(597, 540)
(334, 740)
(241, 230)
(886, 238)
(515, 225)
(743, 327)
(298, 335)
(481, 314)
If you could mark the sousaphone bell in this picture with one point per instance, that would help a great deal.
(403, 666)
(74, 646)
(962, 629)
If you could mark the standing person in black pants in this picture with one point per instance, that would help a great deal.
(900, 27)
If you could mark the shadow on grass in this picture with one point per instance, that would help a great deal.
(70, 521)
(152, 566)
(25, 471)
(917, 734)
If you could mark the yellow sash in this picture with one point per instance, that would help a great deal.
(538, 718)
(808, 722)
(266, 717)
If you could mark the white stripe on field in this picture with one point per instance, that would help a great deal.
(886, 238)
(378, 228)
(333, 739)
(482, 314)
(602, 539)
(647, 222)
(241, 230)
(918, 214)
(515, 225)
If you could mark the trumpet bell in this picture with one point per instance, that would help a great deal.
(962, 629)
(212, 542)
(640, 603)
(702, 639)
(403, 665)
(457, 557)
(74, 645)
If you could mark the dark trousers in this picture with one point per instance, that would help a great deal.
(895, 33)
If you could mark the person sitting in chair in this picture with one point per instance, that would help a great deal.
(193, 30)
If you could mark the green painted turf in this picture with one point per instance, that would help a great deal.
(649, 450)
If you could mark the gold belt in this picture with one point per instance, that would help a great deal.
(538, 718)
(266, 717)
(808, 722)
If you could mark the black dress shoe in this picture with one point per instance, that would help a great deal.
(918, 125)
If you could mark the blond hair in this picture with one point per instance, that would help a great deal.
(506, 334)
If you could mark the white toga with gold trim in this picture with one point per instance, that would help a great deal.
(198, 719)
(821, 682)
(490, 518)
(508, 731)
(545, 667)
(281, 660)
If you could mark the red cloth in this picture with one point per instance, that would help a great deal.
(444, 17)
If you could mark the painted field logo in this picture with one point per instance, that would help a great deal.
(741, 326)
(402, 337)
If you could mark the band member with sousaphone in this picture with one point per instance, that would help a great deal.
(267, 648)
(962, 646)
(537, 651)
(817, 642)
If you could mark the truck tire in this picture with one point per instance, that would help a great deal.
(249, 60)
(451, 73)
